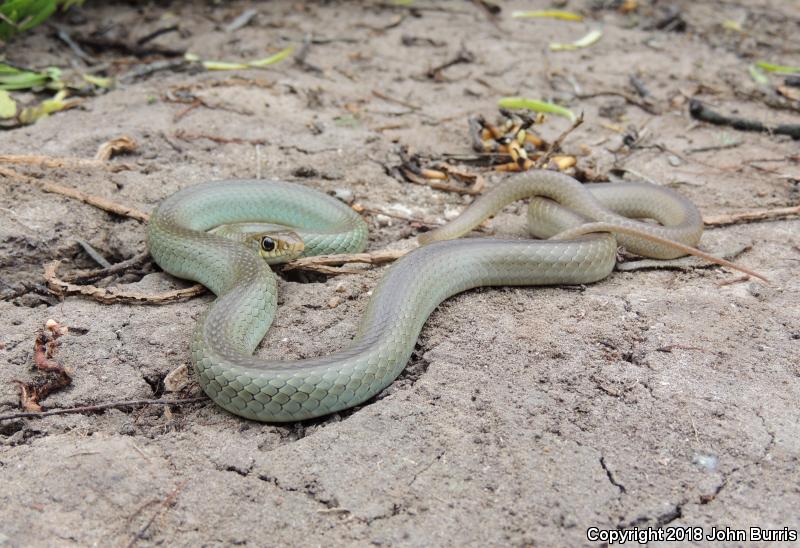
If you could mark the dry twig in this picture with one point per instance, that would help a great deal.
(91, 275)
(98, 408)
(556, 145)
(166, 504)
(325, 263)
(112, 295)
(642, 104)
(186, 136)
(388, 99)
(96, 201)
(701, 112)
(62, 163)
(752, 216)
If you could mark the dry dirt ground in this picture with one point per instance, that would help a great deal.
(653, 398)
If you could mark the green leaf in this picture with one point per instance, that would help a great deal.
(222, 65)
(771, 67)
(757, 75)
(21, 15)
(258, 63)
(536, 106)
(552, 14)
(30, 115)
(277, 58)
(13, 78)
(584, 42)
(8, 107)
(99, 81)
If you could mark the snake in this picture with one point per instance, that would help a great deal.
(226, 234)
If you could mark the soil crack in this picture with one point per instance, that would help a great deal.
(610, 475)
(309, 489)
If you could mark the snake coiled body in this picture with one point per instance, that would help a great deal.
(276, 391)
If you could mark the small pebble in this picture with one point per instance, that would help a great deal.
(177, 379)
(383, 220)
(402, 210)
(333, 302)
(305, 171)
(340, 287)
(451, 213)
(709, 462)
(756, 290)
(673, 160)
(344, 195)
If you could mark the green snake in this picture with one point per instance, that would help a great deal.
(233, 264)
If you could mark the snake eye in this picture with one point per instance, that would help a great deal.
(267, 244)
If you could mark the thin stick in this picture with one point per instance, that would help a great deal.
(751, 216)
(96, 201)
(409, 175)
(99, 407)
(389, 99)
(556, 145)
(166, 504)
(650, 109)
(63, 163)
(186, 136)
(445, 186)
(90, 275)
(320, 263)
(701, 112)
(112, 295)
(397, 216)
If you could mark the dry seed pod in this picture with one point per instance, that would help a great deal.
(564, 162)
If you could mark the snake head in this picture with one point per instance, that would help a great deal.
(277, 247)
(275, 243)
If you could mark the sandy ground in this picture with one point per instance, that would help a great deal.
(656, 398)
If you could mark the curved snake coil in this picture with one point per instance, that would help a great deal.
(277, 391)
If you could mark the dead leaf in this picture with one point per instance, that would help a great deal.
(115, 146)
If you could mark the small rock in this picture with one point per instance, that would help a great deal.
(333, 302)
(400, 209)
(305, 171)
(756, 290)
(383, 220)
(709, 462)
(344, 194)
(451, 213)
(177, 379)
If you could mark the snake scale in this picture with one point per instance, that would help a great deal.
(228, 332)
